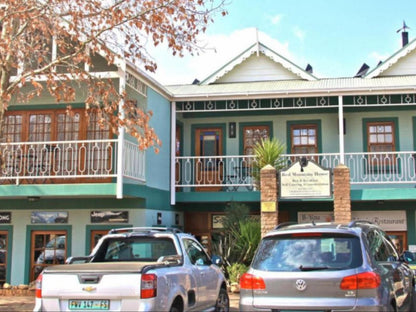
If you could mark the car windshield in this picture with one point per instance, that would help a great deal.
(308, 252)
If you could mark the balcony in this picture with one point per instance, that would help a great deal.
(234, 173)
(91, 161)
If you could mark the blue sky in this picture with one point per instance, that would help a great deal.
(335, 36)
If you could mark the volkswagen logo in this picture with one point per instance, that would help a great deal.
(300, 285)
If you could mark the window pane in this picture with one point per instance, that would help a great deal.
(252, 135)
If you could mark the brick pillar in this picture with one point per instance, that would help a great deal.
(342, 194)
(268, 199)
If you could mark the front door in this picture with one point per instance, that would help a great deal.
(208, 142)
(95, 237)
(47, 248)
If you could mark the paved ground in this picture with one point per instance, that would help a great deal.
(18, 303)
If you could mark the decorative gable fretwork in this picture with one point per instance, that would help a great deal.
(256, 104)
(380, 100)
(296, 103)
(135, 83)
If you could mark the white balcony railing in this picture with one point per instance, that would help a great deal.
(235, 172)
(53, 161)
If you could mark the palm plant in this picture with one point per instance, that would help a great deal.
(267, 152)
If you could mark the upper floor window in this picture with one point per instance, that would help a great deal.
(52, 125)
(380, 143)
(252, 135)
(304, 138)
(380, 136)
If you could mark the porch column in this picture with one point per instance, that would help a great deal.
(342, 194)
(121, 131)
(173, 153)
(341, 127)
(268, 197)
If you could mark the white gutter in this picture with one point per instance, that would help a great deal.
(121, 131)
(341, 128)
(172, 153)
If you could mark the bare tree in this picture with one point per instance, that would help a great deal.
(47, 46)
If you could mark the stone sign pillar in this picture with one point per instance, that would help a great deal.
(268, 199)
(342, 194)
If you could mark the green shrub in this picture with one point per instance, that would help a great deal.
(235, 271)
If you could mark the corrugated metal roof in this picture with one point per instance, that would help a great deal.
(296, 87)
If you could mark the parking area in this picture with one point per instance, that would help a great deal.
(25, 303)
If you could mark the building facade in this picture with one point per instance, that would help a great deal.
(65, 182)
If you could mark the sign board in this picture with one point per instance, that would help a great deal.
(305, 179)
(388, 220)
(5, 217)
(268, 207)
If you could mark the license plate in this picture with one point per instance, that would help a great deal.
(81, 304)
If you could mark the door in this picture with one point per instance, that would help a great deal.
(47, 248)
(399, 239)
(4, 245)
(206, 276)
(95, 237)
(208, 142)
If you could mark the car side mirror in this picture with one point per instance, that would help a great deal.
(217, 260)
(408, 256)
(71, 260)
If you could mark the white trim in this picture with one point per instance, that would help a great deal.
(172, 153)
(341, 128)
(120, 151)
(391, 61)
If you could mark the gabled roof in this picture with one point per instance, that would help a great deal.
(392, 60)
(259, 48)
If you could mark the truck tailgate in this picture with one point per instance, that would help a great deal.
(100, 286)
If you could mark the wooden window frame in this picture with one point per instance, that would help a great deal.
(253, 127)
(301, 127)
(381, 163)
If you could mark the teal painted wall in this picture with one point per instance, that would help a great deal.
(328, 123)
(354, 128)
(158, 165)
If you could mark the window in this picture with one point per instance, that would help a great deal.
(52, 152)
(381, 248)
(196, 253)
(252, 135)
(304, 139)
(381, 138)
(286, 253)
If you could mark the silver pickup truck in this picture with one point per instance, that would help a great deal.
(136, 269)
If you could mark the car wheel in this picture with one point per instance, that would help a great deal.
(223, 301)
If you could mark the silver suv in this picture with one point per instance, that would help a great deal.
(327, 267)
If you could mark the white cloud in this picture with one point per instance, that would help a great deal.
(276, 19)
(220, 49)
(377, 57)
(299, 33)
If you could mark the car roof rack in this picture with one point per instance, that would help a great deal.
(145, 229)
(355, 222)
(284, 224)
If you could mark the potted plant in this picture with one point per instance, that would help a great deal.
(267, 152)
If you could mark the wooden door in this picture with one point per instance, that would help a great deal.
(208, 142)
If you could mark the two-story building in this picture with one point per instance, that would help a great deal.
(64, 181)
(367, 122)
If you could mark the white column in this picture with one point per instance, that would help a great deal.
(173, 153)
(121, 131)
(341, 129)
